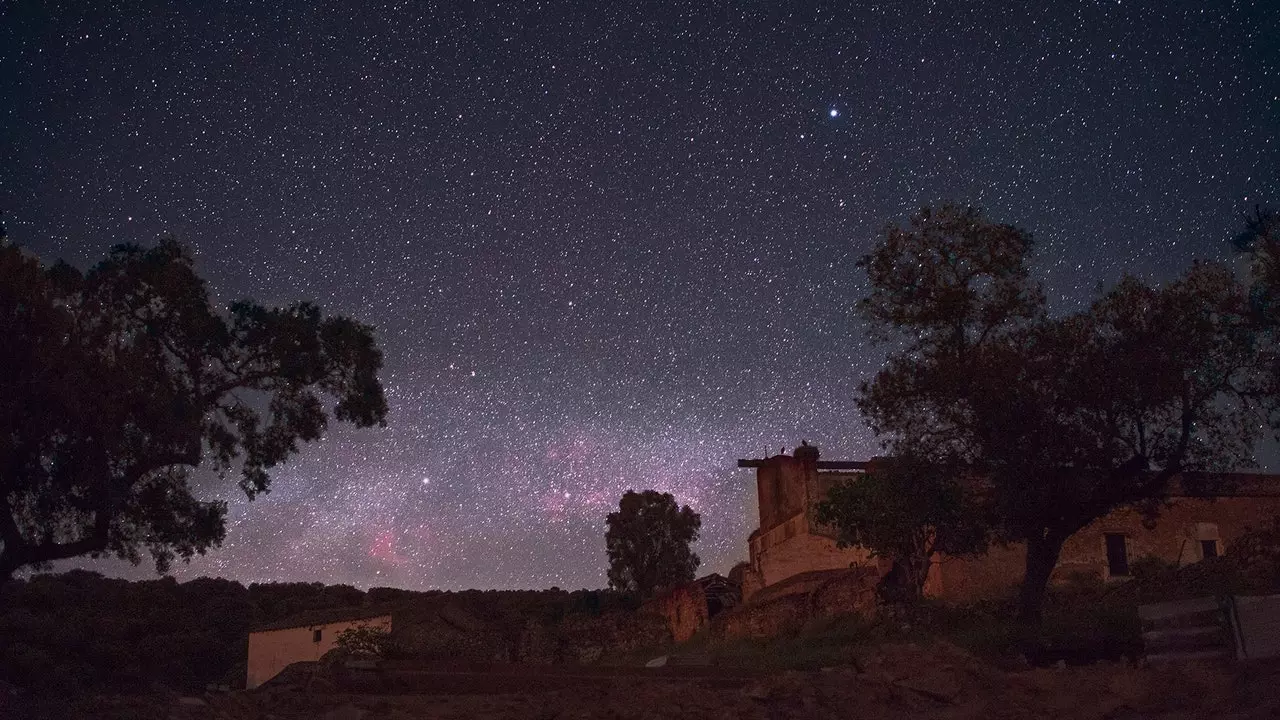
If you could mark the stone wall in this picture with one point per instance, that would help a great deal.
(780, 486)
(1175, 538)
(789, 541)
(684, 608)
(584, 639)
(802, 598)
(431, 631)
(805, 552)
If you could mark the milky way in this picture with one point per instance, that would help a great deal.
(607, 248)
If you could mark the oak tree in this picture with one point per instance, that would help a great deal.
(119, 381)
(1058, 420)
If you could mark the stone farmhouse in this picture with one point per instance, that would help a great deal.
(790, 543)
(274, 647)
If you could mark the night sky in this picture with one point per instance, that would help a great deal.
(607, 249)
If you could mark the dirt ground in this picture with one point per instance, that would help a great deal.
(902, 681)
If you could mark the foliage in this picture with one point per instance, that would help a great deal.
(648, 543)
(905, 511)
(366, 641)
(1058, 420)
(1256, 555)
(120, 380)
(82, 632)
(1150, 566)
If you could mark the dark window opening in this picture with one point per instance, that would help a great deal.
(315, 635)
(1117, 555)
(1209, 548)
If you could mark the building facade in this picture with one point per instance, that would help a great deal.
(272, 648)
(789, 541)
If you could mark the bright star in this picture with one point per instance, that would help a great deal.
(834, 112)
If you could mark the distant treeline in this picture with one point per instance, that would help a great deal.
(82, 632)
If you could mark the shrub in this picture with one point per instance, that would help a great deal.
(366, 641)
(1149, 567)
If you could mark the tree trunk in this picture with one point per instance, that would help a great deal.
(1042, 557)
(918, 573)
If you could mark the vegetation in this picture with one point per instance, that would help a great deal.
(648, 543)
(82, 632)
(901, 511)
(1053, 422)
(120, 380)
(366, 641)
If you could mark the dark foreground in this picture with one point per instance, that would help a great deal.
(903, 681)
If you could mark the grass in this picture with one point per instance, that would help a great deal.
(1083, 621)
(1076, 629)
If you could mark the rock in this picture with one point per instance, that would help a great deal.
(590, 654)
(935, 685)
(344, 712)
(660, 661)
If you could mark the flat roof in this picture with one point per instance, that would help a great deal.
(822, 464)
(324, 616)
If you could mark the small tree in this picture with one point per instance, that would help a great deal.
(648, 543)
(905, 511)
(366, 641)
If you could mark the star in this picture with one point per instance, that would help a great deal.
(650, 297)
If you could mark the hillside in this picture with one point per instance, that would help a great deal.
(82, 632)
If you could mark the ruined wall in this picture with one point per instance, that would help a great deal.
(780, 485)
(271, 651)
(788, 605)
(752, 582)
(684, 608)
(789, 541)
(1175, 539)
(994, 574)
(805, 552)
(584, 639)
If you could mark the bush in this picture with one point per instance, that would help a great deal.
(366, 641)
(1150, 567)
(1257, 555)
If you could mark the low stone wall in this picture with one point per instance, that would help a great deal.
(452, 633)
(683, 608)
(790, 604)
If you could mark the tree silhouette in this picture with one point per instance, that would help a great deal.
(119, 381)
(905, 510)
(1058, 421)
(648, 543)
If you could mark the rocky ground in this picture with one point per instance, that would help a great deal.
(901, 681)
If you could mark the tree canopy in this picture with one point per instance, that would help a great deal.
(905, 510)
(648, 543)
(1054, 421)
(120, 380)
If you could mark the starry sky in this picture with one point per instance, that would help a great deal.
(607, 245)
